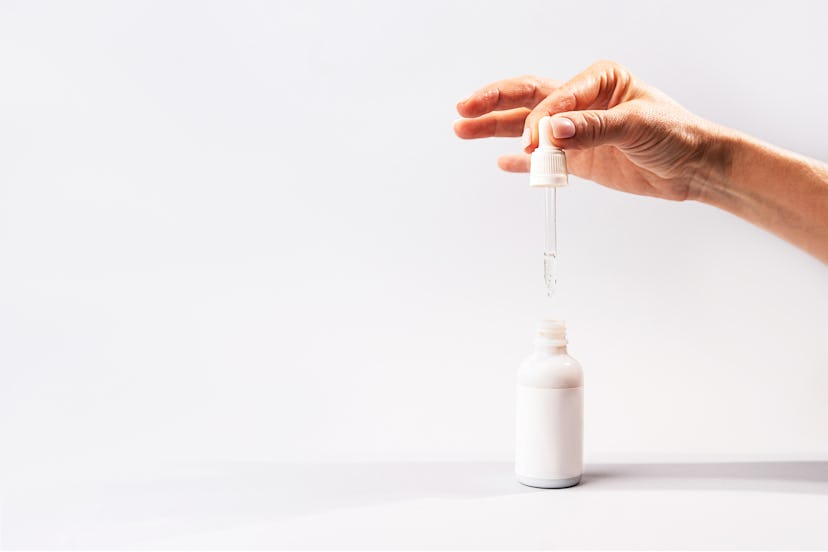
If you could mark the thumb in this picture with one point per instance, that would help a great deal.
(591, 128)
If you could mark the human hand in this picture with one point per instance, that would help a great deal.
(616, 130)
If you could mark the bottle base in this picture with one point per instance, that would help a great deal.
(548, 483)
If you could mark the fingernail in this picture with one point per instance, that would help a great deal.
(562, 127)
(526, 139)
(463, 100)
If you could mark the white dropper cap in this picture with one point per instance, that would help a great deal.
(547, 166)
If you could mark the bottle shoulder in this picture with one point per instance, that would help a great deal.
(558, 371)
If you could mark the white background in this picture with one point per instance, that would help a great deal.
(244, 231)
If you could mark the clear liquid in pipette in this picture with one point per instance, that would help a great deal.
(550, 272)
(550, 244)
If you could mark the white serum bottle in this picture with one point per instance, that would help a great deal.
(550, 399)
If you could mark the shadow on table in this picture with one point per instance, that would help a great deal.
(791, 477)
(133, 509)
(130, 510)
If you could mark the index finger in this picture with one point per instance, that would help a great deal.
(526, 91)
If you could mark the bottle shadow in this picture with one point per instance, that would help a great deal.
(808, 477)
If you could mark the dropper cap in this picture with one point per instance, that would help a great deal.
(547, 165)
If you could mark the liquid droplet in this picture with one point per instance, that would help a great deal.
(550, 272)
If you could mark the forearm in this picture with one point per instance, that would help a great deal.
(780, 191)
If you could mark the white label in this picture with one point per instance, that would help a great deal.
(549, 432)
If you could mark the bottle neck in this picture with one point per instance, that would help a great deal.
(548, 347)
(550, 338)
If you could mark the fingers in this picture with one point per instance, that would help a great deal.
(601, 86)
(516, 162)
(501, 124)
(590, 128)
(526, 91)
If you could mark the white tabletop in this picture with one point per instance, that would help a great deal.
(426, 505)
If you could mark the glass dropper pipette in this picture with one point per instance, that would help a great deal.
(550, 241)
(547, 170)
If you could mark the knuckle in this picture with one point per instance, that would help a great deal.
(615, 79)
(613, 68)
(562, 99)
(532, 86)
(601, 65)
(607, 64)
(635, 118)
(596, 125)
(566, 100)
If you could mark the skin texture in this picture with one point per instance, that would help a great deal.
(626, 135)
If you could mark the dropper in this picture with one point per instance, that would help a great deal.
(547, 170)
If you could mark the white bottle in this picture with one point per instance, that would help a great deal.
(550, 398)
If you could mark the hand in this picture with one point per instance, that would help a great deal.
(616, 130)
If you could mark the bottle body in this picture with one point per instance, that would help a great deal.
(549, 416)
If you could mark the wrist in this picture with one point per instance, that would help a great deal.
(713, 168)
